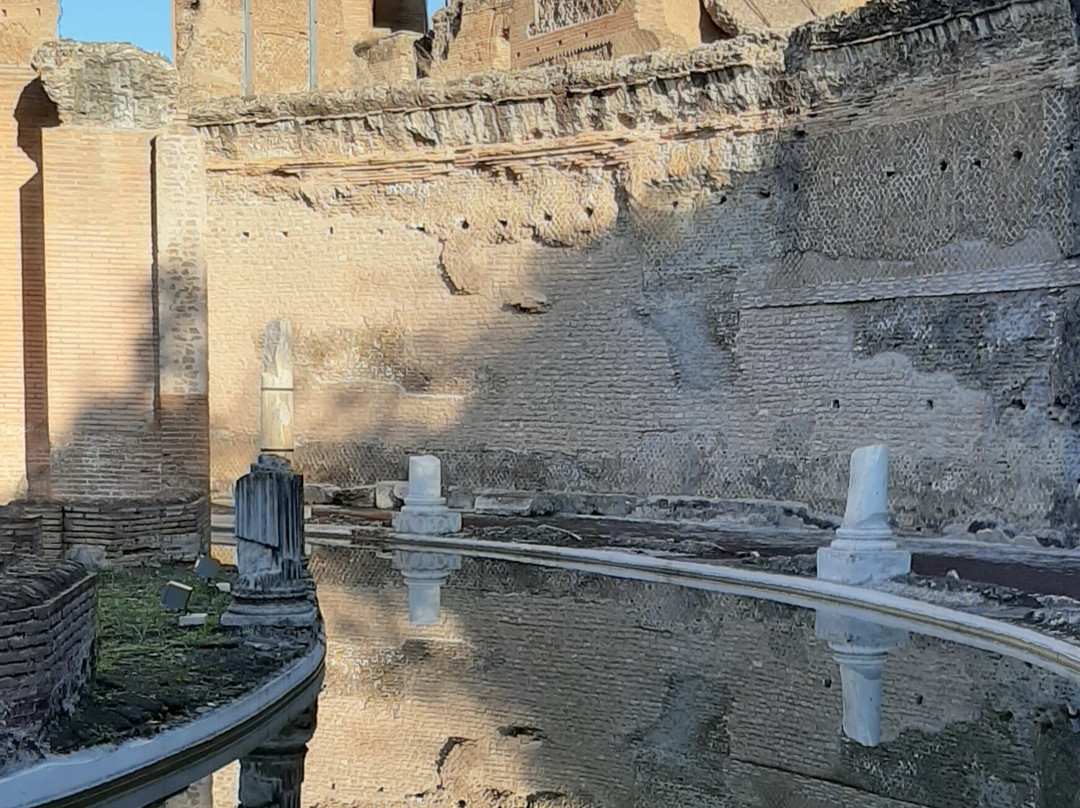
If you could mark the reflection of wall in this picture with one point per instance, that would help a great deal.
(560, 289)
(551, 688)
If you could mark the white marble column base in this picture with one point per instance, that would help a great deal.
(848, 564)
(428, 523)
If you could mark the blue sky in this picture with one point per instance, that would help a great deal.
(146, 23)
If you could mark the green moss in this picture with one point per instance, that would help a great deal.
(133, 628)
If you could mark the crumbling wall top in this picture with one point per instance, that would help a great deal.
(114, 85)
(758, 54)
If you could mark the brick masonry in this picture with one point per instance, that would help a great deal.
(710, 272)
(46, 639)
(105, 414)
(717, 275)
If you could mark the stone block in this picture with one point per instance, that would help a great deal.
(510, 503)
(175, 596)
(390, 494)
(320, 493)
(192, 620)
(207, 568)
(91, 556)
(361, 496)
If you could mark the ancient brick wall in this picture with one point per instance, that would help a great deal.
(554, 287)
(19, 533)
(24, 25)
(209, 46)
(16, 170)
(46, 639)
(233, 47)
(104, 393)
(554, 688)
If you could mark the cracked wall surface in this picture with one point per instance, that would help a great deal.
(714, 272)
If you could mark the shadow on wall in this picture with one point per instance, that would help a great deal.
(34, 112)
(727, 314)
(116, 471)
(700, 328)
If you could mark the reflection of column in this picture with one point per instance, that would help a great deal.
(860, 648)
(424, 574)
(197, 795)
(864, 549)
(272, 775)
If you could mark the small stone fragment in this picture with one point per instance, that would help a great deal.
(175, 596)
(194, 619)
(390, 494)
(207, 568)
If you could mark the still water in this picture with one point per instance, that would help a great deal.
(551, 688)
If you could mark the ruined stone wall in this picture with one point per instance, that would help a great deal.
(46, 640)
(553, 688)
(665, 276)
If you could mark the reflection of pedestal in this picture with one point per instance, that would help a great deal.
(425, 510)
(273, 588)
(861, 649)
(424, 575)
(863, 550)
(272, 775)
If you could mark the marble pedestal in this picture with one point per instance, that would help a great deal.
(425, 512)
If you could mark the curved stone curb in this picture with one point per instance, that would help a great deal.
(1059, 656)
(144, 770)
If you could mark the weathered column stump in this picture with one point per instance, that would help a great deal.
(863, 550)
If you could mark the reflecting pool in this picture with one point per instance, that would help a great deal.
(541, 686)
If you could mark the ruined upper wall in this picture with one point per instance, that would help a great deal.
(113, 84)
(237, 47)
(244, 47)
(25, 25)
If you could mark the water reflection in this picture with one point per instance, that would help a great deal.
(861, 648)
(272, 775)
(462, 681)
